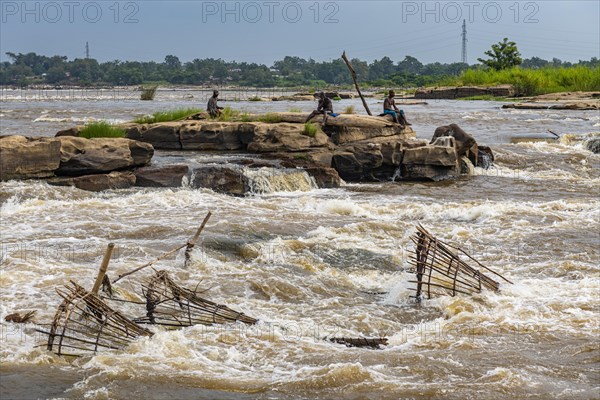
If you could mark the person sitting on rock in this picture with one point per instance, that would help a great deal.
(389, 108)
(325, 107)
(213, 109)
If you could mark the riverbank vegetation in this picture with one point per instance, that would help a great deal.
(533, 81)
(31, 68)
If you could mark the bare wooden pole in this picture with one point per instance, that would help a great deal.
(149, 263)
(192, 242)
(355, 83)
(103, 268)
(190, 245)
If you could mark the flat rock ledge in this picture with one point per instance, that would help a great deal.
(349, 147)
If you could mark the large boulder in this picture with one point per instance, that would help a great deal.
(98, 182)
(161, 176)
(81, 156)
(23, 158)
(356, 163)
(463, 141)
(162, 135)
(429, 162)
(325, 177)
(223, 179)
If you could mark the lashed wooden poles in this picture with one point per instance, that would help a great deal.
(167, 254)
(103, 268)
(171, 305)
(353, 73)
(84, 324)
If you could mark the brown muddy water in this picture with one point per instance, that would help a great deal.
(304, 263)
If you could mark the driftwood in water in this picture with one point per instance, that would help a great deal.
(171, 305)
(20, 319)
(85, 324)
(441, 271)
(360, 342)
(353, 73)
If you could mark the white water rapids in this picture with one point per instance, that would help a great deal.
(306, 264)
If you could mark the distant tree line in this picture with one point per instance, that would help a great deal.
(31, 68)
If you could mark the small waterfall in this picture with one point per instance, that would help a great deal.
(397, 174)
(269, 180)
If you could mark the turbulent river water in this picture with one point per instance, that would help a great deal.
(307, 265)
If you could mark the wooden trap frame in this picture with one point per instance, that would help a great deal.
(85, 324)
(443, 269)
(170, 305)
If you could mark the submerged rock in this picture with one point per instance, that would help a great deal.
(239, 180)
(98, 182)
(161, 176)
(593, 145)
(25, 158)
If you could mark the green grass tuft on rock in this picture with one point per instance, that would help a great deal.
(228, 114)
(101, 129)
(167, 116)
(310, 129)
(270, 118)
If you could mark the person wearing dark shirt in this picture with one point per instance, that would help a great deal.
(389, 108)
(213, 109)
(325, 107)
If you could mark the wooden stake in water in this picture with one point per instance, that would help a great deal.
(190, 245)
(103, 268)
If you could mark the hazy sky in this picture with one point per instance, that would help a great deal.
(265, 31)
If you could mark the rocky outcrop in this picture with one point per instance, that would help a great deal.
(287, 134)
(593, 145)
(79, 156)
(579, 106)
(430, 162)
(465, 91)
(25, 158)
(161, 176)
(376, 159)
(98, 182)
(462, 140)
